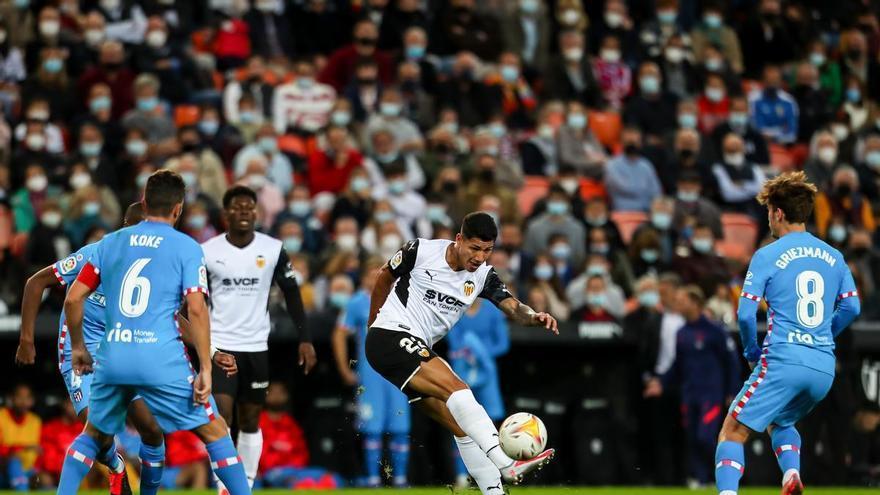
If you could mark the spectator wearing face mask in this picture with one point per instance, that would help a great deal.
(595, 307)
(556, 220)
(774, 111)
(280, 170)
(270, 198)
(27, 202)
(578, 147)
(525, 28)
(47, 241)
(112, 72)
(712, 30)
(270, 30)
(868, 167)
(660, 220)
(50, 81)
(484, 183)
(713, 104)
(823, 160)
(303, 105)
(739, 180)
(858, 62)
(196, 223)
(845, 201)
(679, 75)
(518, 99)
(341, 66)
(392, 116)
(91, 153)
(698, 263)
(612, 74)
(540, 153)
(692, 208)
(459, 27)
(488, 140)
(651, 109)
(150, 115)
(86, 212)
(407, 204)
(597, 264)
(545, 279)
(814, 103)
(645, 255)
(82, 176)
(163, 56)
(630, 179)
(355, 200)
(739, 122)
(569, 180)
(642, 326)
(569, 75)
(385, 153)
(330, 166)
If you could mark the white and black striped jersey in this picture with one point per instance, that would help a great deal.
(428, 296)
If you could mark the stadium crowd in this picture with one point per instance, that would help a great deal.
(613, 141)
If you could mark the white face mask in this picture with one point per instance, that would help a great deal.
(735, 159)
(348, 242)
(51, 219)
(156, 38)
(390, 244)
(827, 155)
(94, 37)
(80, 180)
(256, 182)
(37, 183)
(35, 142)
(573, 54)
(610, 55)
(50, 29)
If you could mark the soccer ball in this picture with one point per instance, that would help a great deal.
(522, 436)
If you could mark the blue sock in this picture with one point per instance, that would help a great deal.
(787, 446)
(152, 466)
(79, 459)
(110, 458)
(399, 458)
(729, 466)
(373, 458)
(227, 466)
(18, 477)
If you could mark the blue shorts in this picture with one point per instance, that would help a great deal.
(779, 394)
(382, 407)
(78, 388)
(171, 404)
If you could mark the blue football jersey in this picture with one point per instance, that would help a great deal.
(354, 319)
(66, 270)
(802, 279)
(145, 270)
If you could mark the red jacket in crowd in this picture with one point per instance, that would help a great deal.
(340, 68)
(326, 175)
(57, 434)
(182, 448)
(284, 444)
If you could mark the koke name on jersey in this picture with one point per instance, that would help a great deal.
(142, 240)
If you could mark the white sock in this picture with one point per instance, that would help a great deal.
(473, 420)
(788, 474)
(727, 492)
(250, 447)
(482, 469)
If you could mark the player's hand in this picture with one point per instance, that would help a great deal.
(653, 389)
(25, 354)
(81, 360)
(349, 378)
(202, 388)
(226, 362)
(547, 321)
(307, 357)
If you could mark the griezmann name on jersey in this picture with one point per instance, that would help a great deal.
(802, 279)
(145, 271)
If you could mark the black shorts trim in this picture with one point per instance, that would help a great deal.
(397, 356)
(251, 382)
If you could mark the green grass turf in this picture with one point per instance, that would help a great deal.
(532, 491)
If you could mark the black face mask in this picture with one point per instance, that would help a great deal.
(686, 154)
(409, 86)
(631, 149)
(854, 54)
(190, 146)
(463, 11)
(111, 66)
(450, 187)
(366, 81)
(442, 148)
(275, 407)
(843, 190)
(487, 175)
(770, 93)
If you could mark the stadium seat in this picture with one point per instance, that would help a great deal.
(535, 188)
(740, 236)
(627, 222)
(185, 115)
(606, 126)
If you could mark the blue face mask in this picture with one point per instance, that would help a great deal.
(497, 129)
(53, 65)
(389, 109)
(529, 6)
(339, 299)
(543, 272)
(189, 178)
(299, 207)
(340, 118)
(100, 103)
(247, 117)
(738, 120)
(649, 84)
(649, 299)
(667, 16)
(509, 73)
(688, 196)
(436, 213)
(597, 270)
(687, 121)
(661, 220)
(596, 300)
(209, 127)
(197, 222)
(872, 158)
(90, 150)
(387, 158)
(268, 144)
(91, 208)
(600, 249)
(713, 21)
(557, 207)
(136, 148)
(147, 104)
(853, 95)
(577, 121)
(383, 216)
(359, 184)
(649, 255)
(702, 245)
(837, 233)
(292, 244)
(415, 52)
(305, 82)
(560, 251)
(397, 186)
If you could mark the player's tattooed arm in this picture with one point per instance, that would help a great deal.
(30, 306)
(524, 315)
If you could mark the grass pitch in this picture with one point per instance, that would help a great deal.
(529, 491)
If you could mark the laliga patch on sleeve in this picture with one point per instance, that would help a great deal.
(68, 264)
(203, 276)
(396, 260)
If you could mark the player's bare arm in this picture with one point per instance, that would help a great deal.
(339, 342)
(225, 361)
(522, 314)
(30, 306)
(384, 283)
(74, 304)
(200, 327)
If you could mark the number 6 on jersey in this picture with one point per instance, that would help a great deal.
(135, 293)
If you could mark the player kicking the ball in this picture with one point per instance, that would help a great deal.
(811, 298)
(418, 296)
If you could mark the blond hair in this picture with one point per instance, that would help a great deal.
(791, 193)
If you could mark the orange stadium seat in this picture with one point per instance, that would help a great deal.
(740, 236)
(627, 222)
(185, 115)
(535, 188)
(606, 126)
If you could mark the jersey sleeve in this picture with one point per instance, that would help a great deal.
(494, 290)
(756, 279)
(404, 260)
(67, 269)
(285, 278)
(847, 283)
(194, 274)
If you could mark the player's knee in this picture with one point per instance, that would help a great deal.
(249, 420)
(102, 439)
(213, 431)
(449, 386)
(151, 434)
